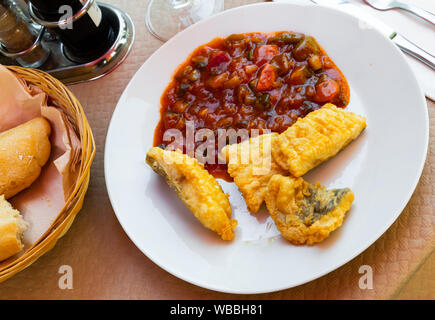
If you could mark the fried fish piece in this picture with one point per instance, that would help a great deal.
(315, 138)
(24, 150)
(199, 190)
(306, 213)
(251, 166)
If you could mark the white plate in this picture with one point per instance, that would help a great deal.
(382, 166)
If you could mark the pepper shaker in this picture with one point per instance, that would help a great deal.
(18, 39)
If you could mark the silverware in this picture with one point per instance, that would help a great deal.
(392, 4)
(404, 44)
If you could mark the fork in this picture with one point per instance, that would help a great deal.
(392, 4)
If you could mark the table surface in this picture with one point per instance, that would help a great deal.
(107, 265)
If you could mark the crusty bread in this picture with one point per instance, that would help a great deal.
(12, 227)
(24, 150)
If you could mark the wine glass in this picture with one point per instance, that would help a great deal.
(165, 18)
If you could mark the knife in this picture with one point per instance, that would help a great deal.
(404, 44)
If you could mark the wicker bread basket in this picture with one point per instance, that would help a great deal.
(65, 100)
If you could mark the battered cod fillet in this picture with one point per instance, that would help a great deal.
(199, 190)
(315, 138)
(251, 166)
(306, 213)
(24, 150)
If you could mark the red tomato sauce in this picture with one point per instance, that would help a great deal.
(250, 81)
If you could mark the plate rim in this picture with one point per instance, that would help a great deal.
(366, 244)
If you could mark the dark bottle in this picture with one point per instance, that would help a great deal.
(90, 36)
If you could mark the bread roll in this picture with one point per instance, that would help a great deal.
(24, 150)
(12, 227)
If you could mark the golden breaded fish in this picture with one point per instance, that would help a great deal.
(24, 150)
(315, 138)
(250, 164)
(199, 190)
(306, 213)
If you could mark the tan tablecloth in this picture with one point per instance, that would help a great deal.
(106, 264)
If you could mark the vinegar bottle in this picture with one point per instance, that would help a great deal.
(85, 39)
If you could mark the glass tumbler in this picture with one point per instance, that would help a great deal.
(165, 18)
